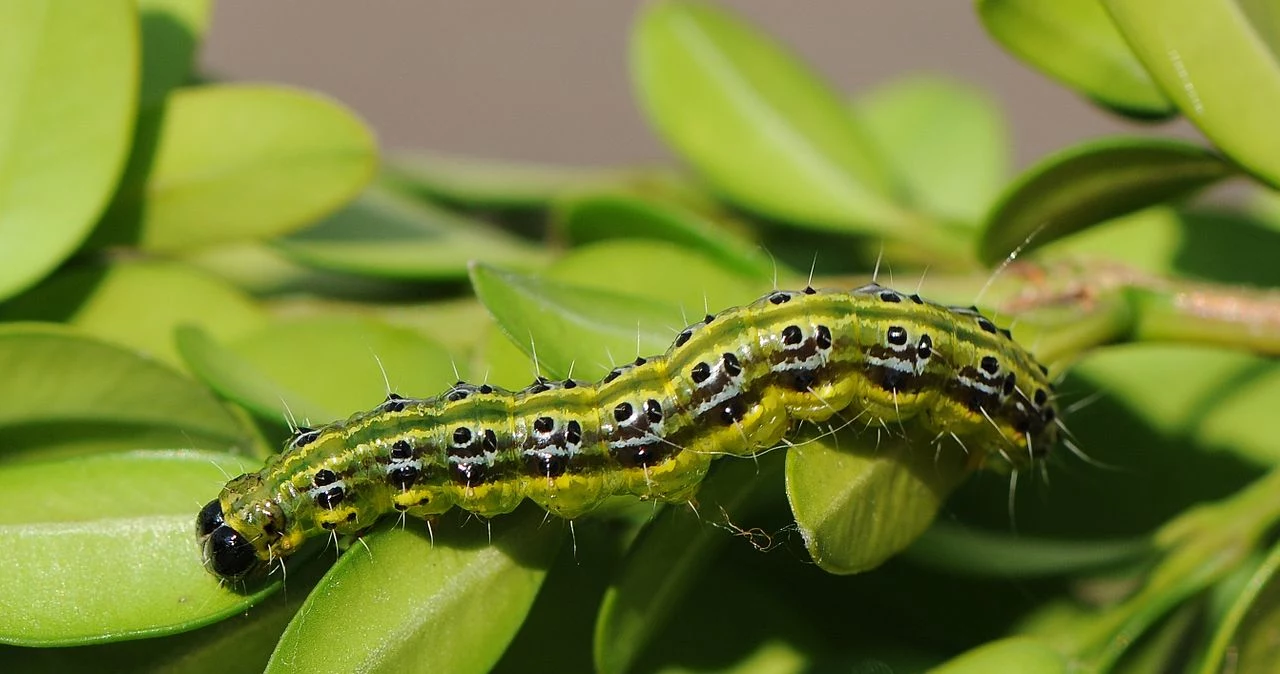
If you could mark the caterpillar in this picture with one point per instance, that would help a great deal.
(730, 385)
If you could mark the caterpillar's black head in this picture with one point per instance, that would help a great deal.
(240, 530)
(228, 554)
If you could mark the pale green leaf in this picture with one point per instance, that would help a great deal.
(235, 162)
(69, 73)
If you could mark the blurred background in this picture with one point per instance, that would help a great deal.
(548, 81)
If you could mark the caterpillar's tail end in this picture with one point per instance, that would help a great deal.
(227, 553)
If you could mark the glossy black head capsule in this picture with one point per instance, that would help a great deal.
(229, 554)
(210, 518)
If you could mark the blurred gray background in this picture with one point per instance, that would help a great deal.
(548, 80)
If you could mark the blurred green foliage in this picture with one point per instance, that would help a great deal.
(186, 269)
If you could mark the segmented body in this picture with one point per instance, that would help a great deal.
(732, 384)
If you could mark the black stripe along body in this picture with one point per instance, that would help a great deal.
(730, 385)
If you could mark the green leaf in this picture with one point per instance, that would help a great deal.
(171, 32)
(1202, 546)
(945, 140)
(1244, 641)
(577, 318)
(860, 499)
(1265, 20)
(565, 610)
(669, 557)
(347, 364)
(230, 163)
(1076, 43)
(321, 368)
(738, 619)
(1164, 647)
(259, 268)
(237, 379)
(453, 605)
(573, 327)
(1239, 419)
(93, 559)
(492, 183)
(1092, 182)
(601, 216)
(453, 323)
(70, 79)
(387, 235)
(1180, 424)
(1222, 246)
(1013, 654)
(241, 644)
(1212, 63)
(138, 304)
(696, 282)
(65, 393)
(756, 122)
(965, 550)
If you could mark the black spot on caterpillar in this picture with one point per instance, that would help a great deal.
(732, 384)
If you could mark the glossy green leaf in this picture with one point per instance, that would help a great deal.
(324, 368)
(756, 122)
(494, 183)
(1212, 63)
(1014, 654)
(1150, 240)
(235, 162)
(241, 644)
(970, 551)
(1265, 20)
(945, 140)
(1092, 182)
(604, 304)
(66, 393)
(1076, 43)
(92, 559)
(70, 79)
(668, 557)
(384, 234)
(663, 271)
(456, 324)
(239, 380)
(138, 304)
(1233, 422)
(600, 305)
(556, 319)
(1245, 640)
(347, 364)
(503, 362)
(407, 604)
(171, 32)
(860, 499)
(1226, 247)
(601, 215)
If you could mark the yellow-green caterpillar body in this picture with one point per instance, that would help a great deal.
(732, 384)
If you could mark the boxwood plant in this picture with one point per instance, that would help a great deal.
(189, 268)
